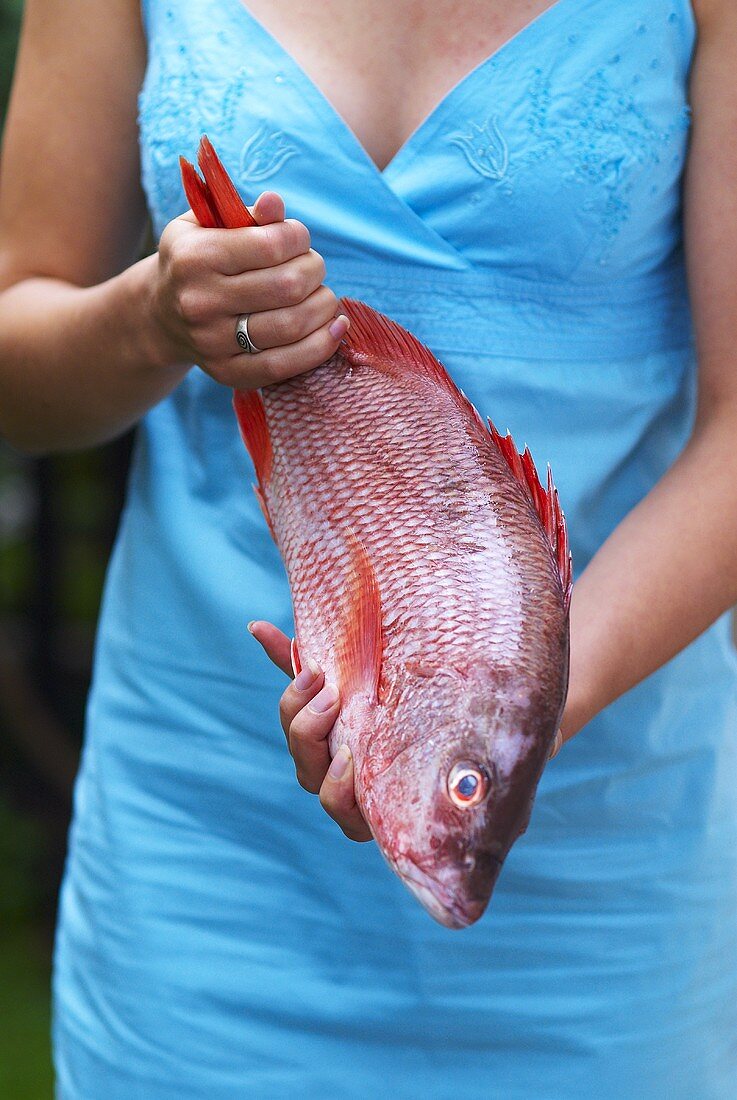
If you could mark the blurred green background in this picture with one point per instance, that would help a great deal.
(57, 519)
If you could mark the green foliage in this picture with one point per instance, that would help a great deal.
(21, 845)
(25, 1061)
(10, 15)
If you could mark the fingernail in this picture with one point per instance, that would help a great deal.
(256, 208)
(339, 763)
(250, 626)
(326, 698)
(339, 326)
(308, 675)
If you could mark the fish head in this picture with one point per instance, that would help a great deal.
(446, 808)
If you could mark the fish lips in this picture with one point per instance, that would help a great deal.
(455, 904)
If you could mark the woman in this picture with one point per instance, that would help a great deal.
(505, 180)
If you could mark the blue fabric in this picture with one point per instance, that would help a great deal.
(218, 936)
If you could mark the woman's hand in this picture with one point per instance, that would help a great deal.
(308, 710)
(91, 336)
(206, 278)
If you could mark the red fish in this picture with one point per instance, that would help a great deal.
(430, 577)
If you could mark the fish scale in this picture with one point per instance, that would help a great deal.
(406, 504)
(430, 578)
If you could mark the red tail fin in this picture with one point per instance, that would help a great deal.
(214, 200)
(198, 196)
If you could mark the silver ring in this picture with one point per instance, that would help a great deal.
(241, 334)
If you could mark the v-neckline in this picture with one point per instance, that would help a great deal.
(325, 107)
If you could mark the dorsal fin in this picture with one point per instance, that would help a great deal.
(249, 409)
(545, 501)
(376, 340)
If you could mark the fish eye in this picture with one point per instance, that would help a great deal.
(468, 785)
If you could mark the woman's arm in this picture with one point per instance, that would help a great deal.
(71, 214)
(89, 339)
(670, 568)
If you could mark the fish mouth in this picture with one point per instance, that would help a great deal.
(439, 901)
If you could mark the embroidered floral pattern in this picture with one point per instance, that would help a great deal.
(176, 106)
(484, 148)
(588, 143)
(264, 153)
(609, 140)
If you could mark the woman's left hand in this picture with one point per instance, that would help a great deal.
(308, 710)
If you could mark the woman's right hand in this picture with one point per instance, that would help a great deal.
(206, 278)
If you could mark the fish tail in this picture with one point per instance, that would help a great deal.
(217, 205)
(213, 197)
(198, 196)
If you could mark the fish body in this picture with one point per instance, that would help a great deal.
(430, 578)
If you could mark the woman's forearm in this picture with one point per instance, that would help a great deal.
(78, 365)
(663, 576)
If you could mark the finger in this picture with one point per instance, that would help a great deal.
(233, 251)
(268, 208)
(338, 797)
(278, 327)
(308, 737)
(277, 645)
(257, 246)
(248, 372)
(260, 290)
(278, 364)
(305, 686)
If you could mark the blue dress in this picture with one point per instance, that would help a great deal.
(218, 936)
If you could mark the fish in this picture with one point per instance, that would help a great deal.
(430, 575)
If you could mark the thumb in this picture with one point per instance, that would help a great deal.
(268, 208)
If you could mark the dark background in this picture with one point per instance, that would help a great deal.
(57, 520)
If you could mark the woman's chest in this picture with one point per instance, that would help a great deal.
(558, 156)
(384, 66)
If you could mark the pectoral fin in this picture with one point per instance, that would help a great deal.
(359, 650)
